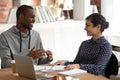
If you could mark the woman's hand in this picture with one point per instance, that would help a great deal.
(72, 66)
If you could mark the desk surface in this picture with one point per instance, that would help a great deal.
(6, 74)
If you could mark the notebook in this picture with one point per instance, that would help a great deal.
(72, 72)
(45, 68)
(25, 68)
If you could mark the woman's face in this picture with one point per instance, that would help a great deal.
(91, 29)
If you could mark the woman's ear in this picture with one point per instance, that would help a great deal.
(99, 26)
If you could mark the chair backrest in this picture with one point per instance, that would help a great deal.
(0, 62)
(112, 66)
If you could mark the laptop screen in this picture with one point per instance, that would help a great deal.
(24, 66)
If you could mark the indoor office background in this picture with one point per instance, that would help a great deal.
(64, 36)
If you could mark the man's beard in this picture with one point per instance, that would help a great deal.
(26, 26)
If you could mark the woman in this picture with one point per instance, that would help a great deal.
(93, 54)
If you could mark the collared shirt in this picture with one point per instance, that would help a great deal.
(93, 56)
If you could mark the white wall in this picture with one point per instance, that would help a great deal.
(63, 38)
(116, 15)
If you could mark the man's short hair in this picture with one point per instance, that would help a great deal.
(21, 10)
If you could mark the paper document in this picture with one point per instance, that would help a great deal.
(48, 68)
(72, 72)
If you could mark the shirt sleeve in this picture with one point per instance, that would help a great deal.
(43, 60)
(4, 52)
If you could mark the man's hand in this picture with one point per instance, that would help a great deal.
(49, 55)
(59, 62)
(36, 53)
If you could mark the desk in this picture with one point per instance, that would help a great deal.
(6, 74)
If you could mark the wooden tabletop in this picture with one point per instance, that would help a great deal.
(6, 74)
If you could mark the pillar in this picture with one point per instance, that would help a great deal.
(107, 9)
(81, 9)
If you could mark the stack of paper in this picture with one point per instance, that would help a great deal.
(48, 68)
(72, 72)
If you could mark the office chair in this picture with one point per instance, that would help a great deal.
(112, 66)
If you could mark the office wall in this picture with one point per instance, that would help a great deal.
(63, 38)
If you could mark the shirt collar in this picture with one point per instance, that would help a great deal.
(99, 40)
(16, 30)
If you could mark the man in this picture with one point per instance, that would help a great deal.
(21, 39)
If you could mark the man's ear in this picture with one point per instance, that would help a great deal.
(21, 16)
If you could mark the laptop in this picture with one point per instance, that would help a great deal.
(25, 68)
